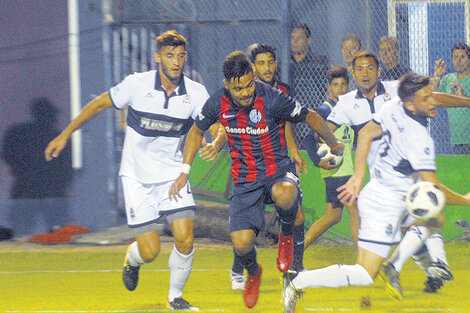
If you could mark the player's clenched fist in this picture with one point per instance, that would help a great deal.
(55, 147)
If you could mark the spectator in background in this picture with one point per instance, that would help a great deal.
(23, 150)
(350, 47)
(308, 73)
(389, 52)
(333, 175)
(457, 83)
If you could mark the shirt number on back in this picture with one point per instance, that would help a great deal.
(387, 137)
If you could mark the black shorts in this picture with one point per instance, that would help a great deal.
(249, 200)
(331, 184)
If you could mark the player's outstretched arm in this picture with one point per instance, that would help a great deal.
(349, 191)
(210, 150)
(452, 197)
(321, 127)
(447, 100)
(193, 141)
(94, 107)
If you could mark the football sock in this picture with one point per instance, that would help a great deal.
(237, 266)
(422, 258)
(298, 251)
(287, 218)
(133, 256)
(249, 262)
(334, 276)
(435, 245)
(180, 268)
(411, 243)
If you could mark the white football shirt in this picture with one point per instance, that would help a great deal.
(156, 124)
(355, 110)
(405, 148)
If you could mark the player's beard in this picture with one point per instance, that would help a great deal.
(364, 90)
(271, 83)
(168, 75)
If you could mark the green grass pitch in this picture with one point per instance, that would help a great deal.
(88, 279)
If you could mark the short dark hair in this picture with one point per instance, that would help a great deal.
(303, 26)
(262, 48)
(337, 72)
(353, 37)
(461, 46)
(366, 54)
(389, 39)
(236, 65)
(170, 38)
(410, 83)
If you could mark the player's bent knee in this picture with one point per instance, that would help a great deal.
(148, 254)
(284, 194)
(185, 246)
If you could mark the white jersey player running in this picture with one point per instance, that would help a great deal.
(161, 107)
(406, 154)
(356, 109)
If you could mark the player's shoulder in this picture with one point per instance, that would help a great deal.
(394, 105)
(391, 86)
(140, 76)
(284, 87)
(194, 86)
(347, 98)
(217, 95)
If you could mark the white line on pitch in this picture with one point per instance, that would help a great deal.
(100, 271)
(105, 311)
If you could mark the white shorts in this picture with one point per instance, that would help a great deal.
(382, 213)
(146, 203)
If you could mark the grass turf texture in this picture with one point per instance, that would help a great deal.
(88, 279)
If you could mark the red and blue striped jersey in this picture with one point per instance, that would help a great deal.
(256, 133)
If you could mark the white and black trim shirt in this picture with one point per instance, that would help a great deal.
(355, 110)
(406, 147)
(156, 124)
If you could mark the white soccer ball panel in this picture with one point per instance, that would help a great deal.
(324, 152)
(425, 200)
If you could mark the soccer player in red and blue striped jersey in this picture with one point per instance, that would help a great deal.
(253, 115)
(263, 58)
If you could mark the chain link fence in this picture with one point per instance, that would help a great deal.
(412, 34)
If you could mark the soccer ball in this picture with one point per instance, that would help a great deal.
(425, 200)
(324, 152)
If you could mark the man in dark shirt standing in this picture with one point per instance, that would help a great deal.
(307, 73)
(389, 52)
(253, 115)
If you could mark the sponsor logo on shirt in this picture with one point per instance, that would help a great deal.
(226, 116)
(166, 126)
(247, 130)
(387, 97)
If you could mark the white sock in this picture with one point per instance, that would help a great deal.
(133, 255)
(337, 275)
(435, 245)
(180, 268)
(410, 244)
(422, 258)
